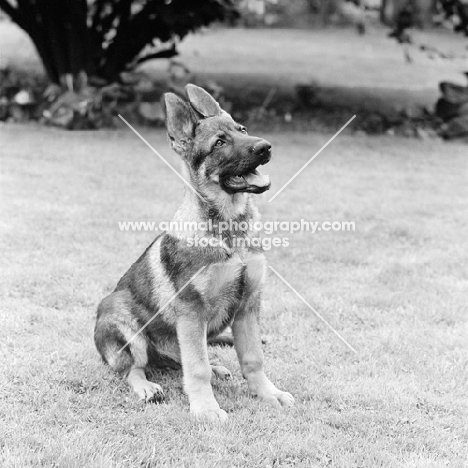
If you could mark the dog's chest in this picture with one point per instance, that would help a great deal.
(226, 285)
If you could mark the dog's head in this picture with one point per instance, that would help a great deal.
(218, 151)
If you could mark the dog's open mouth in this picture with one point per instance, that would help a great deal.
(251, 182)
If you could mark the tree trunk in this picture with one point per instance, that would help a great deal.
(59, 32)
(31, 22)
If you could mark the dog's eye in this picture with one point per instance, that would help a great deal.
(219, 143)
(243, 130)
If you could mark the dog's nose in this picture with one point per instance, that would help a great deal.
(263, 150)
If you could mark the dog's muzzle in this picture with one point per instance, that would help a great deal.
(251, 180)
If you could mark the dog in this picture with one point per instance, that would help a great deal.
(185, 293)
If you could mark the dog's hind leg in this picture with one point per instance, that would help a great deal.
(136, 378)
(218, 370)
(122, 348)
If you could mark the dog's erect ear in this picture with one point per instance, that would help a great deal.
(202, 101)
(180, 122)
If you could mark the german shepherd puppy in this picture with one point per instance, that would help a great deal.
(182, 304)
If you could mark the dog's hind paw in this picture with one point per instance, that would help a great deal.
(150, 392)
(278, 399)
(211, 416)
(221, 372)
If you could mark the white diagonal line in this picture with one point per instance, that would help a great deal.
(312, 158)
(313, 310)
(164, 160)
(161, 309)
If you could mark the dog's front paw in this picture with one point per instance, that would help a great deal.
(216, 415)
(150, 392)
(277, 398)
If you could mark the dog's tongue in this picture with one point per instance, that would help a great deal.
(257, 178)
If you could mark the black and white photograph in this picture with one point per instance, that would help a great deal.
(234, 233)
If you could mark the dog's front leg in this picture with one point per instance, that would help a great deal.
(248, 344)
(191, 334)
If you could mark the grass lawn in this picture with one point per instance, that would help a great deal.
(395, 288)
